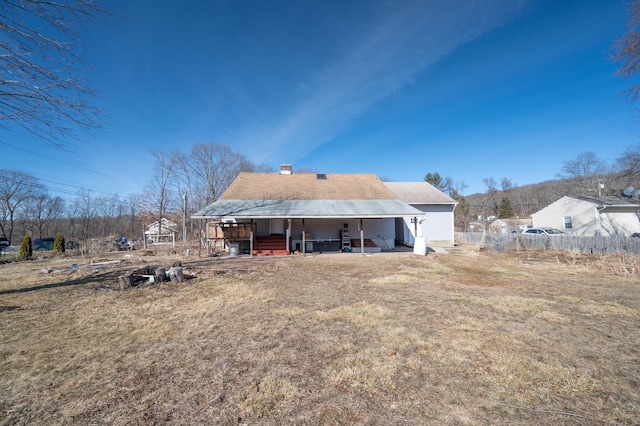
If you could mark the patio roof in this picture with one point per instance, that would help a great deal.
(289, 209)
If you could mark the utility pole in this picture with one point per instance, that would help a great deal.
(184, 219)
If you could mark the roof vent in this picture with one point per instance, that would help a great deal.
(321, 176)
(285, 169)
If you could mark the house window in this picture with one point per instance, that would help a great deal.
(567, 222)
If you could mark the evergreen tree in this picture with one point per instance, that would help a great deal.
(506, 210)
(436, 180)
(58, 244)
(26, 251)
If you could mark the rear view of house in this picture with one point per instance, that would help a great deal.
(286, 212)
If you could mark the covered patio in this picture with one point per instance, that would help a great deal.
(280, 227)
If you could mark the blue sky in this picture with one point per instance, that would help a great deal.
(469, 89)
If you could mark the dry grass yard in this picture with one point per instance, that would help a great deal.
(463, 338)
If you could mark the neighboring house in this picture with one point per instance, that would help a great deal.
(161, 234)
(507, 226)
(606, 216)
(436, 226)
(286, 212)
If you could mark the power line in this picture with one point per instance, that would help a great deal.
(66, 189)
(73, 191)
(69, 164)
(84, 192)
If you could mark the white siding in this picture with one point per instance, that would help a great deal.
(582, 214)
(437, 226)
(587, 220)
(619, 223)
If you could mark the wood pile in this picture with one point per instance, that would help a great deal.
(151, 275)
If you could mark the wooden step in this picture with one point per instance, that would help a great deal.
(270, 245)
(355, 243)
(275, 252)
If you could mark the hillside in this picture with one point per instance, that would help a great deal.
(527, 199)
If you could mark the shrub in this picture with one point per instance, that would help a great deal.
(26, 251)
(58, 244)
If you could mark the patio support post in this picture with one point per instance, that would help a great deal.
(304, 244)
(215, 239)
(288, 235)
(200, 238)
(361, 238)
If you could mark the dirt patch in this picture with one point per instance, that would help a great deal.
(463, 338)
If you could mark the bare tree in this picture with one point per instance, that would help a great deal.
(43, 79)
(584, 174)
(84, 209)
(42, 212)
(628, 164)
(202, 176)
(106, 212)
(212, 168)
(627, 50)
(257, 168)
(585, 165)
(490, 203)
(72, 216)
(491, 185)
(125, 214)
(158, 197)
(452, 188)
(506, 185)
(132, 206)
(16, 188)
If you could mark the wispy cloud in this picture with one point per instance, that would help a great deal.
(383, 57)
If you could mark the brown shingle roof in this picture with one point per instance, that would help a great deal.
(307, 186)
(419, 193)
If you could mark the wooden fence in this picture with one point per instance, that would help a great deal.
(570, 243)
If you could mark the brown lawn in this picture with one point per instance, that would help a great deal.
(463, 338)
